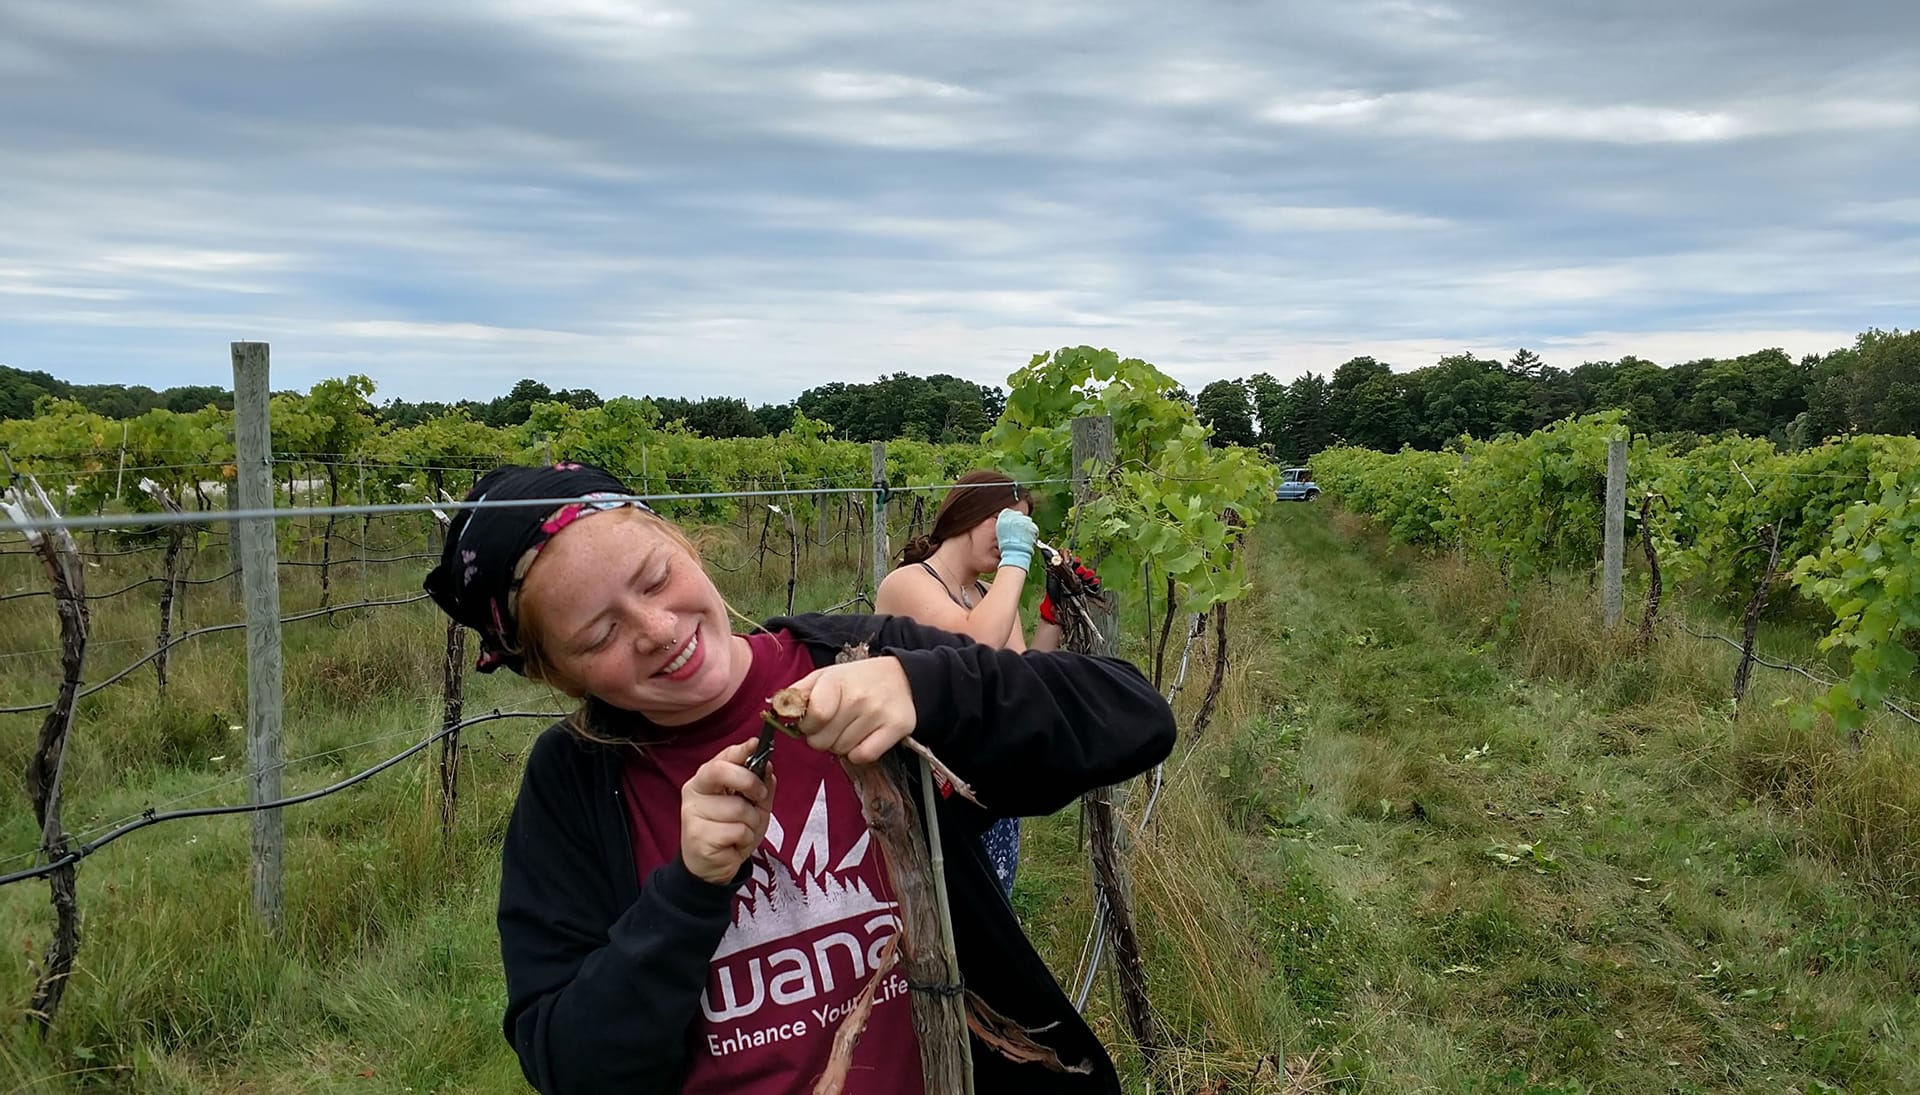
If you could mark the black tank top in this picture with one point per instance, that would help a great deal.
(951, 595)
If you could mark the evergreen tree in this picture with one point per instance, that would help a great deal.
(1224, 406)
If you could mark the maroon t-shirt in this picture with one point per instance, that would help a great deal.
(808, 924)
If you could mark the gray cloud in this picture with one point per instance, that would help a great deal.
(748, 198)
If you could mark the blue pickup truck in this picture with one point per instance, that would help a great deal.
(1297, 485)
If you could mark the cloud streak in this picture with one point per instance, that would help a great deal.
(743, 198)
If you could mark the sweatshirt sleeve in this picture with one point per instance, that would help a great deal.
(1030, 731)
(593, 1007)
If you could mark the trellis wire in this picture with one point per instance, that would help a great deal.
(178, 639)
(202, 792)
(340, 562)
(1824, 682)
(231, 515)
(150, 817)
(34, 524)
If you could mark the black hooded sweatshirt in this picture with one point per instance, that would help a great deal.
(604, 970)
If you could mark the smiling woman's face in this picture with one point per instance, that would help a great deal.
(619, 610)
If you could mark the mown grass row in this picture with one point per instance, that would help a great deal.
(1448, 844)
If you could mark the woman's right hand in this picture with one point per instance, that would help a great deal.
(1016, 533)
(724, 811)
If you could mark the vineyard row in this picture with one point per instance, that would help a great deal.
(1732, 517)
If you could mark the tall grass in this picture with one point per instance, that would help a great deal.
(387, 975)
(1440, 837)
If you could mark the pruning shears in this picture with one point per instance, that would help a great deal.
(763, 749)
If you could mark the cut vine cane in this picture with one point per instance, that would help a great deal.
(1076, 623)
(840, 1060)
(783, 713)
(940, 1005)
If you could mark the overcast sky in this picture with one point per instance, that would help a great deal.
(751, 198)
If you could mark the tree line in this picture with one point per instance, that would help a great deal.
(1872, 386)
(21, 391)
(939, 408)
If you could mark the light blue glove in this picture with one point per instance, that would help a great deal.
(1016, 533)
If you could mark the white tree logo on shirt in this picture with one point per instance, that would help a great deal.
(797, 887)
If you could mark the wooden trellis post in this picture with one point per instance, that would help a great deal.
(1092, 455)
(258, 540)
(882, 550)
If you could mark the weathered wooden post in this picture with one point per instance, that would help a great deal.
(882, 549)
(260, 572)
(1092, 456)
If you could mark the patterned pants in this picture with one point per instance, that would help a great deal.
(1002, 840)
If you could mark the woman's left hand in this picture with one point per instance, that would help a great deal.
(857, 709)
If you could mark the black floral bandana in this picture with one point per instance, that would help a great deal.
(489, 550)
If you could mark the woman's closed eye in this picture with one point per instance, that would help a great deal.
(602, 639)
(606, 634)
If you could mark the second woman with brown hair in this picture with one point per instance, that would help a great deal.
(984, 526)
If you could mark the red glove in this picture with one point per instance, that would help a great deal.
(1089, 583)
